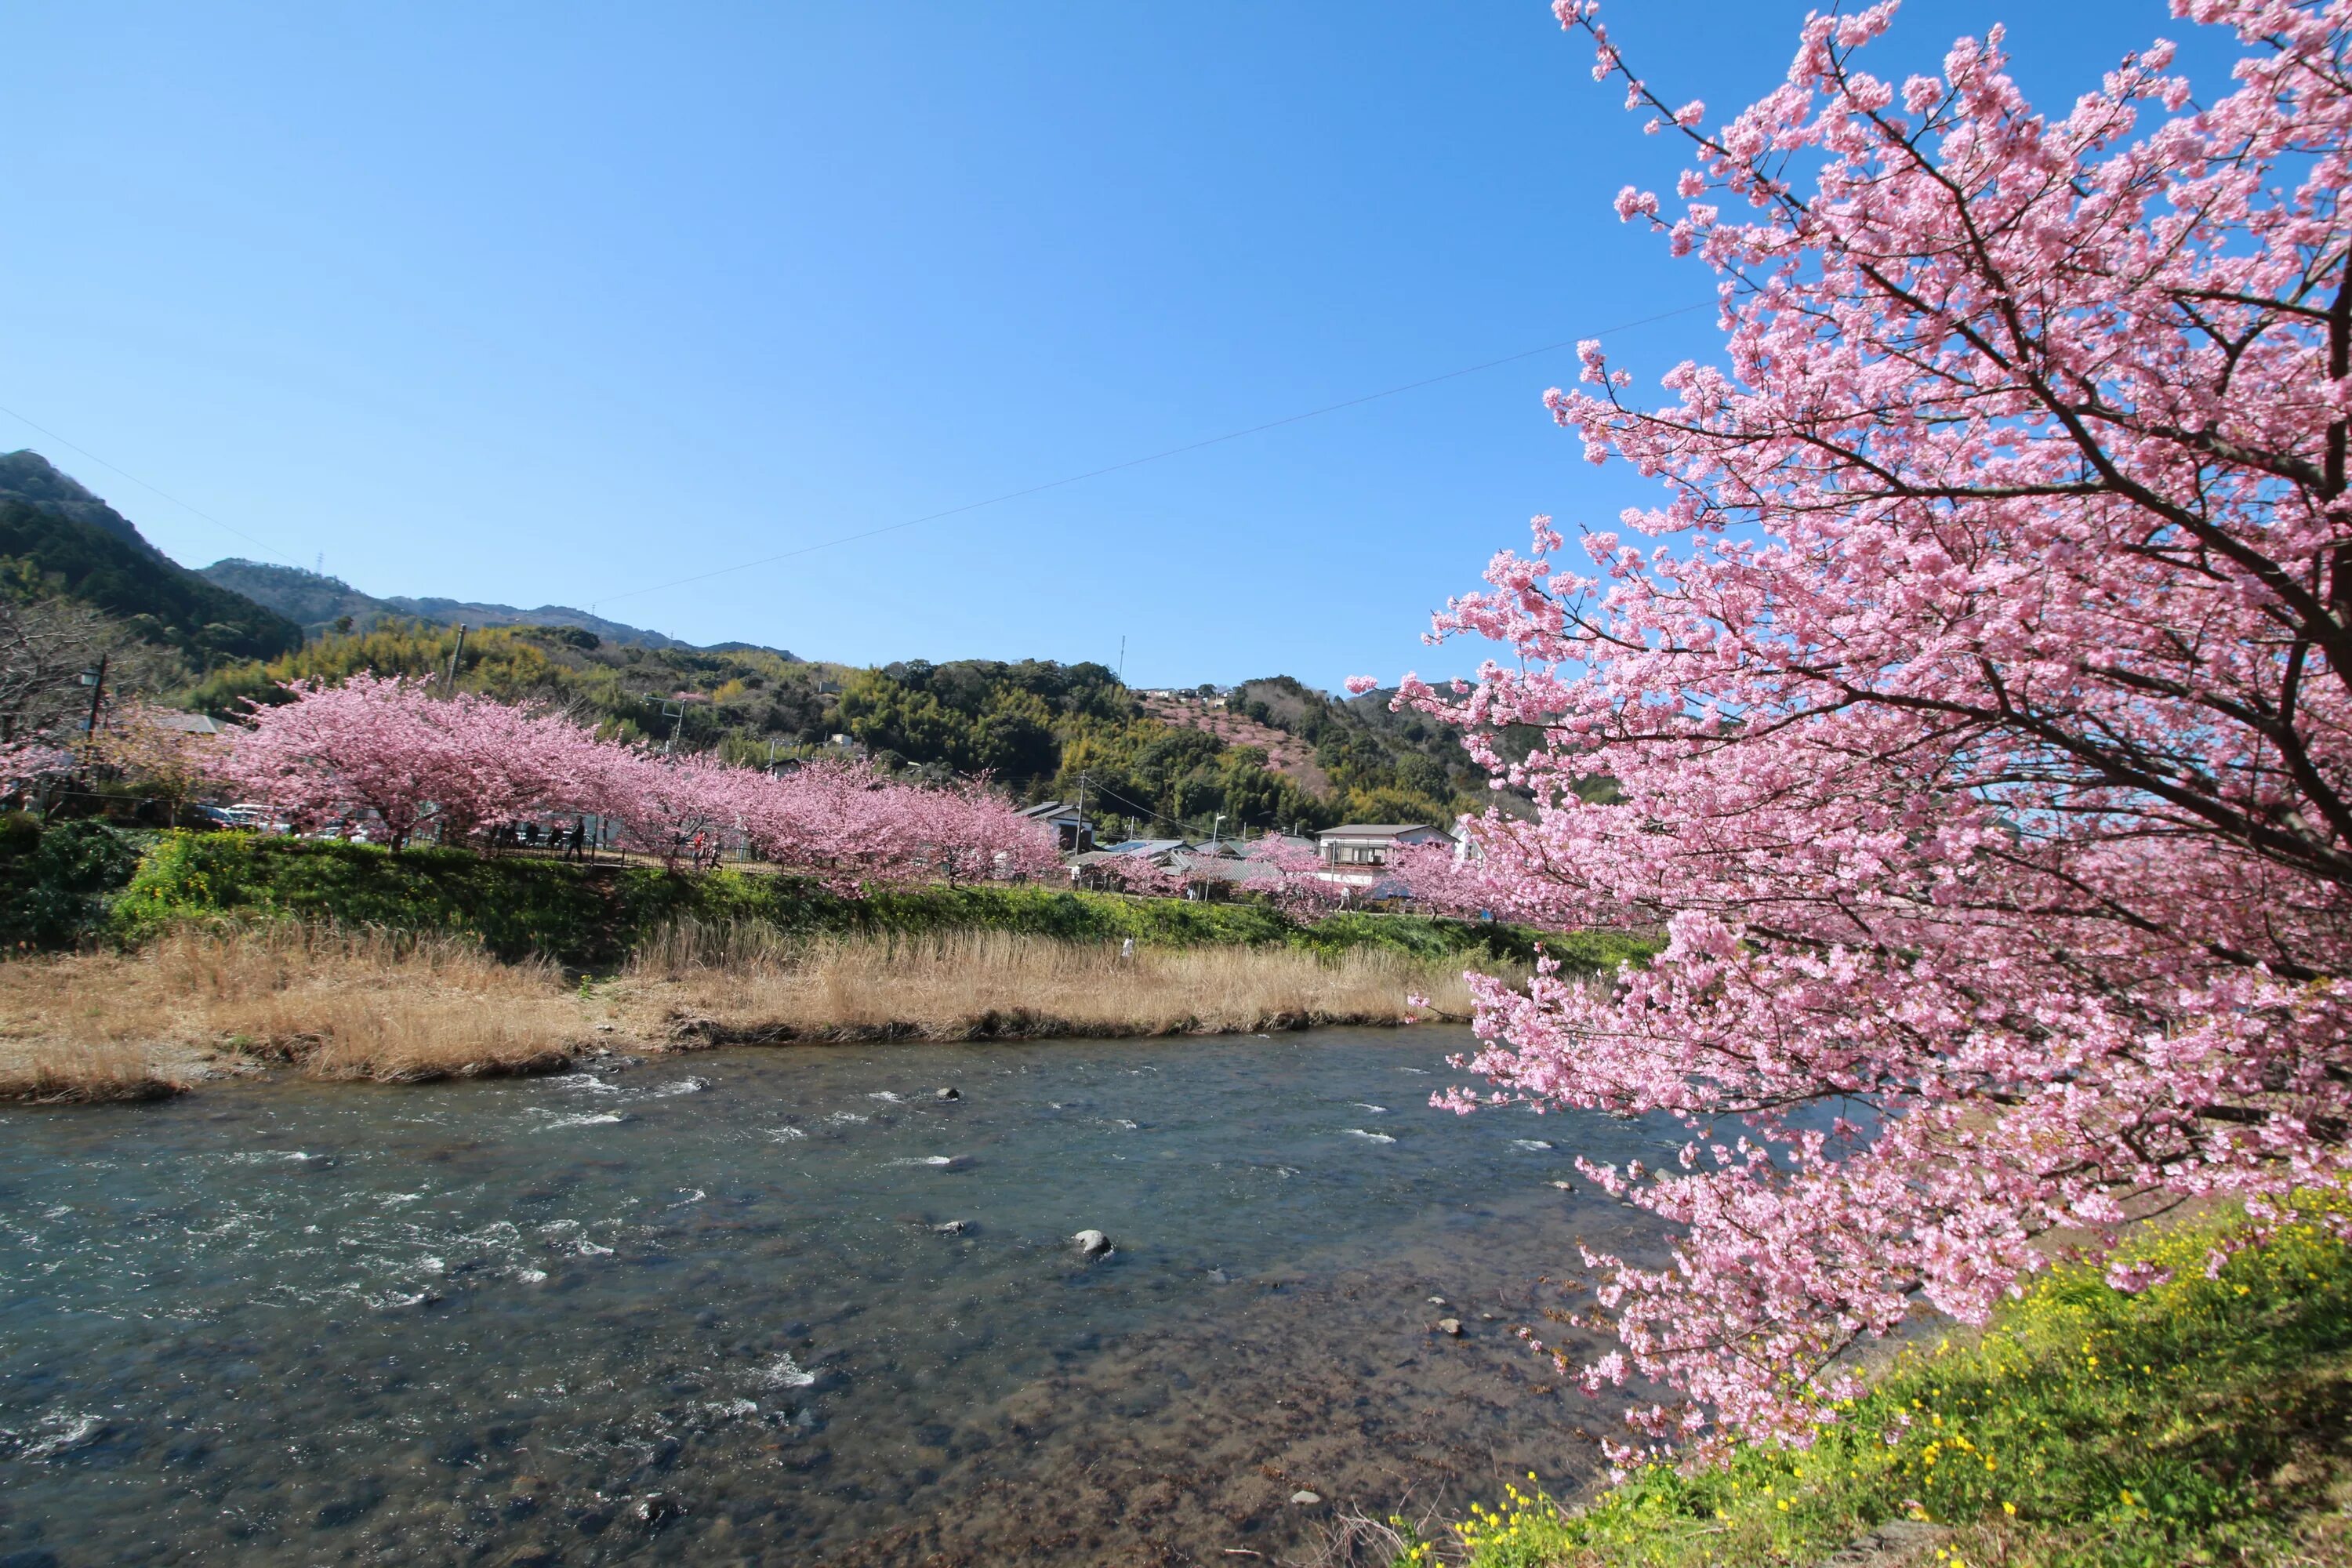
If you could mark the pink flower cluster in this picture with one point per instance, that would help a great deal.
(1979, 699)
(393, 758)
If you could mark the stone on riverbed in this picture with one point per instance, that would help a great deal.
(656, 1510)
(1305, 1499)
(1092, 1243)
(947, 1094)
(1449, 1326)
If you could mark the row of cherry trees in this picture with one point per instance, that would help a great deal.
(399, 760)
(1980, 698)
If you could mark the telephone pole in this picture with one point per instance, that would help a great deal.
(455, 655)
(96, 681)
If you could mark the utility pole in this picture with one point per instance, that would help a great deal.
(96, 681)
(455, 655)
(676, 712)
(1122, 661)
(1078, 834)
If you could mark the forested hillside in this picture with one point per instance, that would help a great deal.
(1038, 728)
(234, 634)
(57, 541)
(320, 605)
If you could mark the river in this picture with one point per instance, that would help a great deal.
(719, 1308)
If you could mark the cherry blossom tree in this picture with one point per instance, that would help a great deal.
(683, 810)
(402, 759)
(1292, 876)
(1980, 696)
(966, 832)
(396, 757)
(1140, 875)
(156, 747)
(1440, 881)
(836, 820)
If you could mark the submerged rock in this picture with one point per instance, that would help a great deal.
(1305, 1499)
(1449, 1326)
(656, 1510)
(1091, 1242)
(947, 1094)
(951, 1227)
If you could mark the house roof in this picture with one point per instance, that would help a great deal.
(186, 723)
(1379, 830)
(1144, 846)
(1050, 810)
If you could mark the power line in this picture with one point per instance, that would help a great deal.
(1138, 462)
(143, 484)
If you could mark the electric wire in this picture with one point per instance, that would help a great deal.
(143, 484)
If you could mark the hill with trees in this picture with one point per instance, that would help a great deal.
(59, 541)
(1278, 754)
(320, 603)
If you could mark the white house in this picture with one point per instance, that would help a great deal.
(1070, 830)
(1356, 852)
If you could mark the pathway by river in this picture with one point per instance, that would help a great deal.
(786, 1305)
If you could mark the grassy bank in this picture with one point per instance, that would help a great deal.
(594, 916)
(198, 1003)
(2204, 1421)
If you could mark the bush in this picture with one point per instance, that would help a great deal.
(56, 885)
(20, 833)
(591, 916)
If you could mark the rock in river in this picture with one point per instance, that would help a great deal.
(1092, 1243)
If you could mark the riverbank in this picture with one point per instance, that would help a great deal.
(198, 1005)
(2204, 1420)
(594, 917)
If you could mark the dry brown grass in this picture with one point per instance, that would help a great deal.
(366, 1004)
(749, 982)
(390, 1007)
(61, 1072)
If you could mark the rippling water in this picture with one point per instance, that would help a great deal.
(785, 1305)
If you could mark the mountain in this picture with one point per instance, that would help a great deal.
(320, 604)
(26, 476)
(57, 538)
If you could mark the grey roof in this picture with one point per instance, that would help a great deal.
(1217, 869)
(1050, 808)
(1380, 830)
(1145, 846)
(186, 723)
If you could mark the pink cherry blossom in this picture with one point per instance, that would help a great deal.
(1978, 697)
(397, 759)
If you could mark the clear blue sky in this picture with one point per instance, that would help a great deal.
(551, 303)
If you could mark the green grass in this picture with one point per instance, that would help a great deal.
(591, 916)
(2204, 1421)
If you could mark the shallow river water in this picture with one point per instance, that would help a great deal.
(713, 1309)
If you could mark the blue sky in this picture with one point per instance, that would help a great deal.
(541, 303)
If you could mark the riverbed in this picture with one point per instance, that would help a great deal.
(791, 1305)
